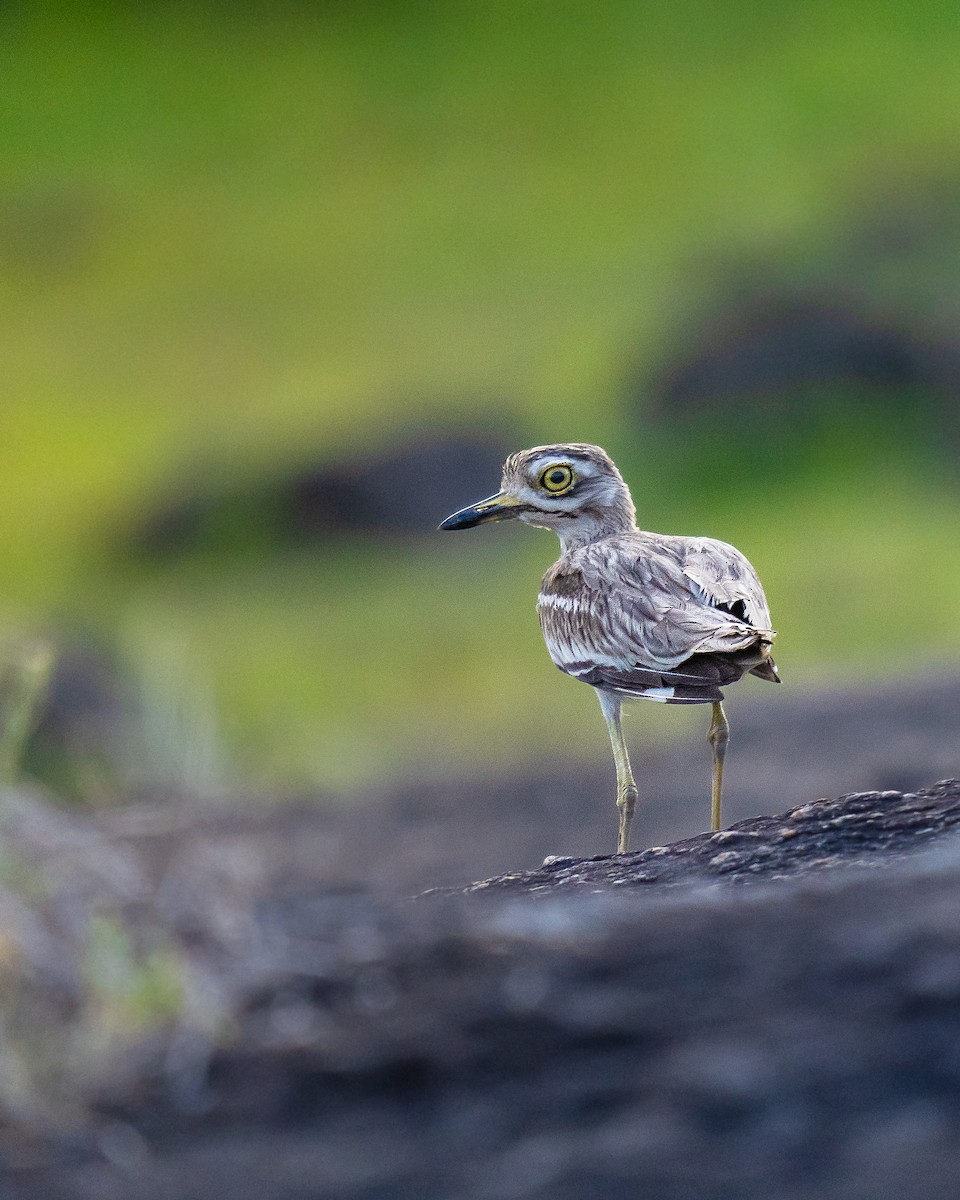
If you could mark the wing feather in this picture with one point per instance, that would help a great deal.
(726, 577)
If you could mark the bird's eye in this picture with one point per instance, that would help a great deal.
(558, 478)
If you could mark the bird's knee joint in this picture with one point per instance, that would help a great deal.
(718, 736)
(627, 798)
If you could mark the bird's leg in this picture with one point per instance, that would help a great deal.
(718, 737)
(626, 787)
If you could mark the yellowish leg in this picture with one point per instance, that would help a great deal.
(718, 737)
(626, 787)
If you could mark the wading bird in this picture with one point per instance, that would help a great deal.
(634, 614)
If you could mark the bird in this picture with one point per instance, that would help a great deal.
(634, 614)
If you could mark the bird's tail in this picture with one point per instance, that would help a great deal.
(766, 668)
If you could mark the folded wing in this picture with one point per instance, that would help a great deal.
(666, 618)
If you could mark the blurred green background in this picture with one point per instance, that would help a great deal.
(242, 242)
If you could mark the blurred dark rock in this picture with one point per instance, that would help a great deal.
(85, 723)
(400, 490)
(756, 359)
(405, 489)
(853, 325)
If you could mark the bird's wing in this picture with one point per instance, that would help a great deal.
(725, 579)
(628, 611)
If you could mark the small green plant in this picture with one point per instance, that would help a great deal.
(25, 669)
(130, 988)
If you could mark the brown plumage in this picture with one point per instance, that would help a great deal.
(634, 614)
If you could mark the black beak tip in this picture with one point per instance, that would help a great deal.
(455, 521)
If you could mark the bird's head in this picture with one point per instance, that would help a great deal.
(574, 489)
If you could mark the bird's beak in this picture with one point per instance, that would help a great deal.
(500, 507)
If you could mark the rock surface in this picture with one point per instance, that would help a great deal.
(864, 828)
(583, 1032)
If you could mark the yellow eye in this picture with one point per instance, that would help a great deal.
(556, 479)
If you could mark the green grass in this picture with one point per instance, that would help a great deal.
(231, 237)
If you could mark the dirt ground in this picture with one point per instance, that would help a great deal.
(775, 1014)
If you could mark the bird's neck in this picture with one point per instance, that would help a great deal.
(593, 525)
